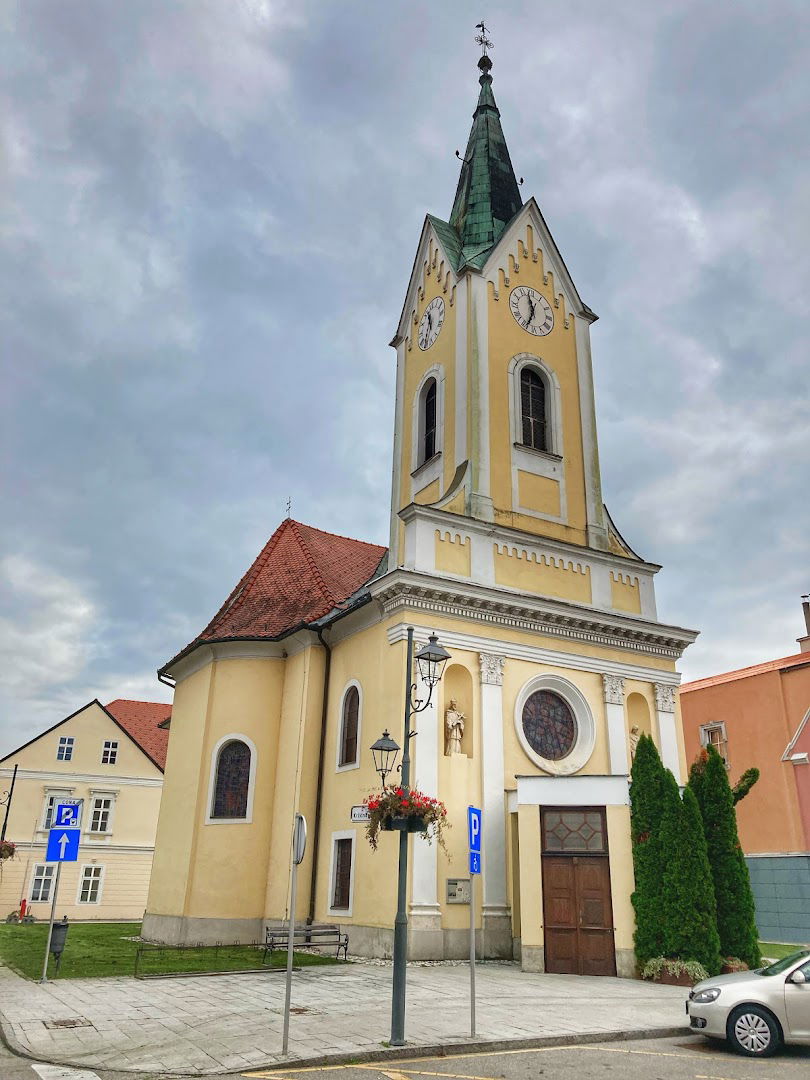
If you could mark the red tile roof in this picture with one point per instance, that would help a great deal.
(140, 720)
(301, 575)
(796, 660)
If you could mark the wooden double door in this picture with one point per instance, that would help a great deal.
(577, 905)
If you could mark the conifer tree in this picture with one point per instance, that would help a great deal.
(688, 910)
(736, 923)
(646, 804)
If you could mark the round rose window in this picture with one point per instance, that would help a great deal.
(549, 725)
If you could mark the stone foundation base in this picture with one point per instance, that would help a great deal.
(184, 930)
(533, 958)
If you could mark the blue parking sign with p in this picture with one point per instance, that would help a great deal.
(474, 828)
(66, 816)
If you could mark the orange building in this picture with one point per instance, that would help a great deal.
(760, 716)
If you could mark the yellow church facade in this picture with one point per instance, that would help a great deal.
(499, 544)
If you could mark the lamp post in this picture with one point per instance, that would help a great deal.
(430, 661)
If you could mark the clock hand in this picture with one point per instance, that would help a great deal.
(531, 310)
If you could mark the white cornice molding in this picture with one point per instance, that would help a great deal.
(86, 849)
(401, 589)
(64, 779)
(206, 652)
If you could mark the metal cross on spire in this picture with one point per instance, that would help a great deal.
(482, 39)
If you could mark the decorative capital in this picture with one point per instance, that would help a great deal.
(491, 668)
(665, 697)
(614, 689)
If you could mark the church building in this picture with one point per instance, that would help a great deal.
(500, 545)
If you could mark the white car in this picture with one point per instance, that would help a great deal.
(757, 1011)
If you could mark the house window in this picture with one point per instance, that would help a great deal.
(101, 813)
(232, 782)
(90, 884)
(109, 752)
(428, 425)
(41, 883)
(348, 727)
(64, 751)
(342, 874)
(715, 735)
(533, 409)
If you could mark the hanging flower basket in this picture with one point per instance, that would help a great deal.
(401, 810)
(7, 849)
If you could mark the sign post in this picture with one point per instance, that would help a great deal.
(299, 846)
(474, 836)
(63, 846)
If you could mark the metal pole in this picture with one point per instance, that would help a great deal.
(50, 924)
(8, 803)
(401, 922)
(290, 942)
(472, 954)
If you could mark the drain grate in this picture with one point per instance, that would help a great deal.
(78, 1021)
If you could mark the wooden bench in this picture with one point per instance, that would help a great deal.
(276, 937)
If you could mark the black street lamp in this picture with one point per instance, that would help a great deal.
(430, 661)
(5, 800)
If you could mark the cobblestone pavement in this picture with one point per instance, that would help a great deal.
(233, 1022)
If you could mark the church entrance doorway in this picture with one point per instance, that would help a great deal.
(577, 905)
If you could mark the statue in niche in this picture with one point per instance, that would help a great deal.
(454, 728)
(635, 735)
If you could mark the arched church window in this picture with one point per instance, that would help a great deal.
(533, 409)
(428, 425)
(232, 781)
(549, 725)
(348, 727)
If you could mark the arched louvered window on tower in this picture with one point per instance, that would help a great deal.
(232, 782)
(349, 728)
(533, 413)
(428, 422)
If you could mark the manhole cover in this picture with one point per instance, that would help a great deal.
(79, 1021)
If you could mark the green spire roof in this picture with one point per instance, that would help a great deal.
(487, 197)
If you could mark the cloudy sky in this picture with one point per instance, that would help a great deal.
(210, 212)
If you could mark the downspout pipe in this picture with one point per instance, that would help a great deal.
(316, 833)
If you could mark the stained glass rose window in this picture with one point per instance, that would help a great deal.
(549, 725)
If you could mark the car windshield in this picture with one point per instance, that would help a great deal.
(782, 965)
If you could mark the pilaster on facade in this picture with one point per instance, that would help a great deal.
(424, 896)
(667, 729)
(613, 686)
(493, 857)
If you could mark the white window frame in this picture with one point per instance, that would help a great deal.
(586, 727)
(342, 834)
(110, 748)
(82, 872)
(57, 795)
(47, 875)
(66, 742)
(423, 473)
(212, 780)
(705, 740)
(548, 463)
(356, 763)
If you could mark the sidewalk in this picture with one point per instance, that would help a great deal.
(233, 1022)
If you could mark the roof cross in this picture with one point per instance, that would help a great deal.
(482, 39)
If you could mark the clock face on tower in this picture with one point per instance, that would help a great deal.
(431, 323)
(531, 310)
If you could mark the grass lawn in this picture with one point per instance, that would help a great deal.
(776, 952)
(96, 949)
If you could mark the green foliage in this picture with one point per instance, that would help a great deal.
(688, 905)
(646, 804)
(660, 964)
(732, 886)
(744, 784)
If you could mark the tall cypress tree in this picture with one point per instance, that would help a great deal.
(736, 923)
(647, 779)
(688, 910)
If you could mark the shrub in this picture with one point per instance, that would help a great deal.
(646, 805)
(656, 967)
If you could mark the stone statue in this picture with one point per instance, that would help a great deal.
(454, 727)
(635, 735)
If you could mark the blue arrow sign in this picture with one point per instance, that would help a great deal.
(66, 816)
(475, 862)
(474, 828)
(63, 845)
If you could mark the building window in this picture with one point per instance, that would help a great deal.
(65, 749)
(232, 782)
(342, 874)
(549, 725)
(51, 803)
(101, 813)
(533, 409)
(349, 727)
(574, 832)
(428, 424)
(41, 883)
(109, 752)
(715, 735)
(90, 884)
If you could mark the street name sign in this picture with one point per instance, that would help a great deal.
(63, 845)
(360, 813)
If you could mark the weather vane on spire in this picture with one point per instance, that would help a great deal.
(482, 39)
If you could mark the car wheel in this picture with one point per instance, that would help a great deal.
(752, 1031)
